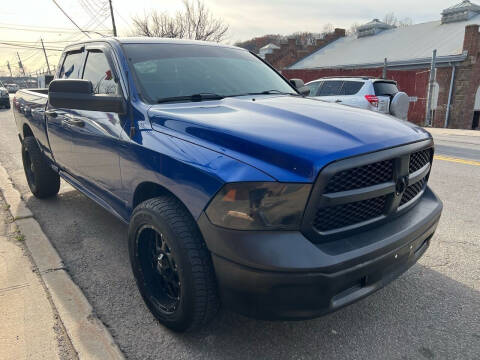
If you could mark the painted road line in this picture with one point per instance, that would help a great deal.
(457, 160)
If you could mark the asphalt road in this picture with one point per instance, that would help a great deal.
(431, 312)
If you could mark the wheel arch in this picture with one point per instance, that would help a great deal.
(149, 190)
(27, 131)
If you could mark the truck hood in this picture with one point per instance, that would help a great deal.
(289, 138)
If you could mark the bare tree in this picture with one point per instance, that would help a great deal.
(353, 29)
(327, 28)
(194, 22)
(391, 19)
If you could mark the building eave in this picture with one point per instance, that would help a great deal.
(448, 59)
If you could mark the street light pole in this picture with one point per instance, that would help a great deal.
(113, 18)
(9, 68)
(20, 65)
(46, 57)
(431, 83)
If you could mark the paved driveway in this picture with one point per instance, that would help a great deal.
(431, 312)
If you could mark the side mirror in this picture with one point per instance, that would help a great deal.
(78, 94)
(300, 86)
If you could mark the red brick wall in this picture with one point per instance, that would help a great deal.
(291, 52)
(467, 81)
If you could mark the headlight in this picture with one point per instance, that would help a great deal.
(259, 206)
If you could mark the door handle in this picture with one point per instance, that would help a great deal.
(51, 113)
(338, 101)
(71, 120)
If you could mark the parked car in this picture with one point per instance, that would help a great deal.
(237, 189)
(12, 88)
(378, 95)
(4, 97)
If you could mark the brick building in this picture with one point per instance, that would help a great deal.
(456, 37)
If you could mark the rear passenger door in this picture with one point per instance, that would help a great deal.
(348, 93)
(330, 90)
(59, 130)
(96, 134)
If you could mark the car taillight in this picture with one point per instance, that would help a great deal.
(372, 99)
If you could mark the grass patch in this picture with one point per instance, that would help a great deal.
(19, 236)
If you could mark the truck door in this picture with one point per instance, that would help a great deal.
(96, 134)
(59, 130)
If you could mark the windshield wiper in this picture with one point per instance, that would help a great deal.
(193, 98)
(267, 92)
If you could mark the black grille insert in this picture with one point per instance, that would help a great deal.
(412, 191)
(360, 177)
(339, 216)
(419, 159)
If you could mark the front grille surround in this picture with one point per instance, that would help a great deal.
(362, 201)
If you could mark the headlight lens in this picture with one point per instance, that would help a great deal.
(259, 206)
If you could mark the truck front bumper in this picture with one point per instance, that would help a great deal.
(282, 275)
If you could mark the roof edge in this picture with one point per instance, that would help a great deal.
(398, 63)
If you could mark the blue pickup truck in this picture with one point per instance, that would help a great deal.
(237, 189)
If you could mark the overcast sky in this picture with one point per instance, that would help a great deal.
(247, 19)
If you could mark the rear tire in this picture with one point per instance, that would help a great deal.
(172, 265)
(42, 180)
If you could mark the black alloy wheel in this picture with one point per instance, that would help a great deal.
(159, 269)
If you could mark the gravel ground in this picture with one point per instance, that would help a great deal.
(431, 312)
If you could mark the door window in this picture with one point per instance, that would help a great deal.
(313, 87)
(330, 88)
(351, 87)
(72, 65)
(98, 71)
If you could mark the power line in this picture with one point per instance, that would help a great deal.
(33, 42)
(52, 28)
(69, 18)
(13, 46)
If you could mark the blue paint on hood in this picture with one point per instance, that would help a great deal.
(289, 138)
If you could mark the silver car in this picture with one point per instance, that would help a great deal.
(378, 95)
(4, 97)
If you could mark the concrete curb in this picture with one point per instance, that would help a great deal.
(87, 333)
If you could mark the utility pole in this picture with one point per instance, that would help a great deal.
(9, 68)
(46, 57)
(113, 19)
(20, 65)
(384, 72)
(431, 83)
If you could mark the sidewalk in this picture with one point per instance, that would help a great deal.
(29, 326)
(454, 132)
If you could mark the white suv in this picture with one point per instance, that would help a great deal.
(363, 92)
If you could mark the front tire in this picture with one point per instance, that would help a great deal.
(172, 266)
(42, 180)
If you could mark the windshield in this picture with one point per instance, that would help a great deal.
(182, 70)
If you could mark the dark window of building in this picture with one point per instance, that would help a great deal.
(98, 71)
(72, 65)
(476, 120)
